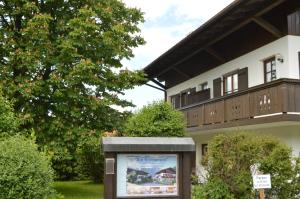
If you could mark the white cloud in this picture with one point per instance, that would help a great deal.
(188, 14)
(194, 9)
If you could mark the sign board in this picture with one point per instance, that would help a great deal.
(148, 167)
(142, 175)
(262, 181)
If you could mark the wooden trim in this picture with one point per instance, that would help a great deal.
(275, 101)
(155, 87)
(215, 54)
(185, 163)
(110, 179)
(251, 89)
(267, 26)
(247, 122)
(273, 58)
(223, 35)
(203, 150)
(232, 73)
(159, 84)
(299, 63)
(186, 76)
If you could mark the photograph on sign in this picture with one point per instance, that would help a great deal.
(147, 175)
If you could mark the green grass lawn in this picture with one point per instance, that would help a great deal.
(79, 190)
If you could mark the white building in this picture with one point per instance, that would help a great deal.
(239, 71)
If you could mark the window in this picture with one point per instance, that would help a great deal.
(204, 149)
(270, 69)
(175, 101)
(231, 83)
(203, 86)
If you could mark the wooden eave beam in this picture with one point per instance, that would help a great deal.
(223, 36)
(158, 83)
(158, 88)
(181, 73)
(267, 26)
(215, 54)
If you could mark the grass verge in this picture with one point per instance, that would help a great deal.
(79, 190)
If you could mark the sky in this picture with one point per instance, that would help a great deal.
(166, 23)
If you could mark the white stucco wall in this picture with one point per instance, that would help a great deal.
(286, 47)
(294, 48)
(287, 132)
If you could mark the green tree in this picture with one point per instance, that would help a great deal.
(158, 119)
(228, 163)
(9, 123)
(61, 65)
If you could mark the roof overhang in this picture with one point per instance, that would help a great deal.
(213, 44)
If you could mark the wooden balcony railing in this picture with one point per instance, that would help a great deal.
(278, 97)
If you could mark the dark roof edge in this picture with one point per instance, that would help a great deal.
(214, 19)
(148, 144)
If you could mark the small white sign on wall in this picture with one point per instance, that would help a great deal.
(262, 181)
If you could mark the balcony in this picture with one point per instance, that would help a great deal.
(272, 102)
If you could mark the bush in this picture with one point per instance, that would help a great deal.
(156, 120)
(214, 188)
(92, 158)
(24, 172)
(230, 157)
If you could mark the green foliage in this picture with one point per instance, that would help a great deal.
(214, 189)
(24, 172)
(92, 158)
(61, 66)
(158, 119)
(230, 157)
(9, 123)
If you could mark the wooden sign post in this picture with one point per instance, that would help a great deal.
(261, 194)
(262, 182)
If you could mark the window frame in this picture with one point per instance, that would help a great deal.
(204, 149)
(265, 62)
(231, 74)
(202, 85)
(299, 63)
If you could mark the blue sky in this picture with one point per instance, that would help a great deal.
(167, 22)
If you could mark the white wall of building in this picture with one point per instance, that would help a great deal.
(287, 132)
(286, 47)
(294, 49)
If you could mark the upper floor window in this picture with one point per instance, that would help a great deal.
(231, 83)
(270, 69)
(175, 101)
(203, 86)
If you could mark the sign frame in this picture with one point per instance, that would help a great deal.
(183, 148)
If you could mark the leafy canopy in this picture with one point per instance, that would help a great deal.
(60, 59)
(60, 63)
(158, 119)
(9, 123)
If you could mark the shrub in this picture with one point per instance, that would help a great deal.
(214, 188)
(24, 172)
(230, 157)
(92, 158)
(156, 120)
